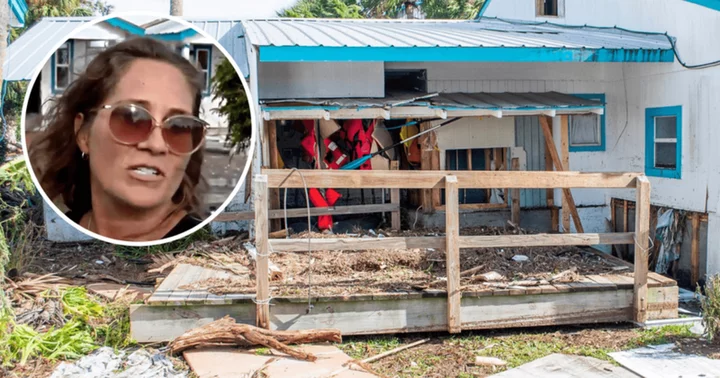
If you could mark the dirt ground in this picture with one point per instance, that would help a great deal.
(453, 356)
(375, 271)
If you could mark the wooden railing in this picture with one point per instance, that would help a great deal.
(452, 242)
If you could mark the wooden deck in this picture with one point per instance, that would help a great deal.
(171, 311)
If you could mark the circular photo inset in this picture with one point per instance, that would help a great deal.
(130, 126)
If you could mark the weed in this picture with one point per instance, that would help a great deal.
(710, 305)
(659, 335)
(262, 351)
(370, 347)
(202, 234)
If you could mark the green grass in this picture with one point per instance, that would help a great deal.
(203, 234)
(660, 335)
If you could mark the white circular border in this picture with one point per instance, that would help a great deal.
(250, 153)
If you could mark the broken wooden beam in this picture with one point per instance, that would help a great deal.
(559, 166)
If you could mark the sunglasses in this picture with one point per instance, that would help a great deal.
(131, 124)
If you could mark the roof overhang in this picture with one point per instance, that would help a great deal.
(436, 105)
(461, 54)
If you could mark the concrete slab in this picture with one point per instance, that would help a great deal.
(661, 361)
(566, 366)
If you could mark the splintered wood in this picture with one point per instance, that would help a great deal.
(226, 332)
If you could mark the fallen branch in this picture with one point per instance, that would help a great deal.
(472, 271)
(377, 357)
(226, 332)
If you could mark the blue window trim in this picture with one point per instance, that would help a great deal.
(125, 25)
(175, 37)
(712, 4)
(269, 53)
(19, 9)
(650, 114)
(55, 90)
(601, 147)
(209, 49)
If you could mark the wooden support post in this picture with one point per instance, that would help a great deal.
(695, 250)
(435, 166)
(550, 193)
(426, 165)
(567, 195)
(452, 253)
(515, 212)
(262, 280)
(395, 200)
(271, 128)
(488, 192)
(642, 246)
(565, 164)
(626, 249)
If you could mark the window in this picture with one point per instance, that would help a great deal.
(202, 56)
(61, 69)
(549, 8)
(663, 141)
(587, 131)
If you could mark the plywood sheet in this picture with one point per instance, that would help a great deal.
(225, 362)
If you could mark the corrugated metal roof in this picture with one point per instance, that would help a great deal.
(485, 32)
(433, 105)
(26, 54)
(231, 36)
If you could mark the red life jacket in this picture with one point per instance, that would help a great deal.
(318, 200)
(360, 138)
(337, 150)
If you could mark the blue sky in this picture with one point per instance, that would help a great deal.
(214, 9)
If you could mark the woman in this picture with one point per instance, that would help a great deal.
(123, 147)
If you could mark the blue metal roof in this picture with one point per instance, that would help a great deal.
(285, 39)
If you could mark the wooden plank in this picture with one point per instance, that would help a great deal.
(515, 212)
(477, 206)
(436, 179)
(261, 243)
(663, 302)
(662, 280)
(452, 254)
(567, 197)
(426, 165)
(198, 274)
(438, 242)
(602, 280)
(642, 245)
(550, 193)
(435, 166)
(395, 201)
(314, 211)
(695, 250)
(622, 282)
(274, 163)
(488, 166)
(164, 323)
(626, 250)
(163, 295)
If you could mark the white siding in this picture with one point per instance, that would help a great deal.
(327, 80)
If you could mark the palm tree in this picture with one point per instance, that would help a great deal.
(176, 7)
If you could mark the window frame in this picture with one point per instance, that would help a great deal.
(590, 148)
(208, 81)
(54, 65)
(540, 8)
(650, 141)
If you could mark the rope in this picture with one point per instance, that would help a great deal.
(644, 250)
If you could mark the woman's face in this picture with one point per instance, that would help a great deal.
(146, 175)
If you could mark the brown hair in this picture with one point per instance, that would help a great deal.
(55, 156)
